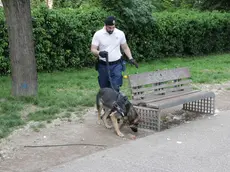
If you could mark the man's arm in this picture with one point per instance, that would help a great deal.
(94, 50)
(127, 51)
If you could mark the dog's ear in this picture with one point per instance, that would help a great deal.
(134, 129)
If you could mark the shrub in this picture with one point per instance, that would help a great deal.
(193, 33)
(4, 60)
(63, 36)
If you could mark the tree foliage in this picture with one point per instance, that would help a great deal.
(223, 5)
(136, 20)
(67, 3)
(171, 5)
(63, 36)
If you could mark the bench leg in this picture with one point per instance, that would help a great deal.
(206, 106)
(151, 118)
(159, 120)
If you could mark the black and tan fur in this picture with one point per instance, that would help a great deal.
(105, 100)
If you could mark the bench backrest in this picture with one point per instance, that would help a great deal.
(157, 84)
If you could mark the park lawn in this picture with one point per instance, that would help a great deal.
(63, 93)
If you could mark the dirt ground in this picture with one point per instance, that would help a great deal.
(64, 140)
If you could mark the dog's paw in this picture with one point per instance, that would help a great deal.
(108, 126)
(120, 134)
(99, 122)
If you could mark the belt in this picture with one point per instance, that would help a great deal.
(110, 63)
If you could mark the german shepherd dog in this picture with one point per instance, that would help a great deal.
(118, 108)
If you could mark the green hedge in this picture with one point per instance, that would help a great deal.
(63, 36)
(4, 61)
(193, 33)
(136, 20)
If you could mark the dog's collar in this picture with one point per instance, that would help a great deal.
(118, 109)
(117, 105)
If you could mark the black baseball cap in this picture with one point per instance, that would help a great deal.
(109, 21)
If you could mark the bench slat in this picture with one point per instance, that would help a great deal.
(158, 76)
(160, 93)
(144, 102)
(178, 100)
(158, 87)
(172, 96)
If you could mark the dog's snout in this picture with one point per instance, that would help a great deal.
(134, 129)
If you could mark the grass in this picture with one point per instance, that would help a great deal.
(74, 90)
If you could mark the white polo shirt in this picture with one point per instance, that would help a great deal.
(109, 42)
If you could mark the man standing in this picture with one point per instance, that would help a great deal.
(106, 44)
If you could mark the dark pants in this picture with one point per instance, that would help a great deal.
(115, 73)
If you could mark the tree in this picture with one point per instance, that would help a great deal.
(21, 45)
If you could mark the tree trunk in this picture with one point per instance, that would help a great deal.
(21, 44)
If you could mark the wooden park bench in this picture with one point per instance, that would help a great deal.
(158, 90)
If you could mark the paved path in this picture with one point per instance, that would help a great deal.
(199, 146)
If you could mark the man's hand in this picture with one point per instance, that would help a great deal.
(133, 62)
(103, 54)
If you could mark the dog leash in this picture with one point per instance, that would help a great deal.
(107, 65)
(115, 105)
(108, 70)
